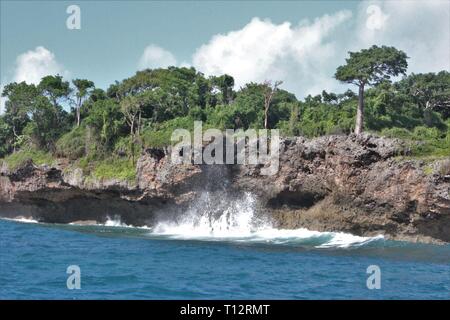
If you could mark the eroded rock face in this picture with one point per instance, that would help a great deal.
(62, 194)
(354, 184)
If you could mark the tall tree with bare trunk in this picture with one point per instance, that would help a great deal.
(269, 90)
(83, 86)
(370, 67)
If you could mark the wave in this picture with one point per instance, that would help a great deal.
(21, 220)
(115, 221)
(238, 222)
(217, 217)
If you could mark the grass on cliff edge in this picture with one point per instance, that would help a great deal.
(110, 168)
(423, 142)
(39, 157)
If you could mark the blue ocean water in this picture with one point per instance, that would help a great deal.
(119, 262)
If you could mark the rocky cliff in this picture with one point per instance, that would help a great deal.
(357, 184)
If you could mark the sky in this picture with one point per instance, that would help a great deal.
(298, 42)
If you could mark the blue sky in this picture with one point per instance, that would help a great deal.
(299, 42)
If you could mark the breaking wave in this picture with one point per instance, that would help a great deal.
(216, 216)
(21, 219)
(235, 220)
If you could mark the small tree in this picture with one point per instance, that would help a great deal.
(54, 88)
(269, 91)
(131, 107)
(83, 86)
(370, 67)
(20, 99)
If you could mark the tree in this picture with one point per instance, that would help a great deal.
(20, 99)
(47, 125)
(54, 88)
(131, 107)
(106, 117)
(83, 87)
(430, 91)
(224, 84)
(370, 67)
(269, 91)
(5, 138)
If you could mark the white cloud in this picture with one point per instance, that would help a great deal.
(156, 57)
(262, 50)
(306, 56)
(32, 65)
(420, 28)
(376, 18)
(2, 99)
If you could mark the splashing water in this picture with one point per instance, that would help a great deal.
(235, 220)
(228, 219)
(219, 216)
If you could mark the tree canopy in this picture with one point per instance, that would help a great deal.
(142, 111)
(371, 67)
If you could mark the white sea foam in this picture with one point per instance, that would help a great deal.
(237, 222)
(22, 220)
(216, 217)
(117, 222)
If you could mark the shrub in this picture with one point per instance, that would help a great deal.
(39, 157)
(159, 135)
(424, 133)
(444, 168)
(72, 144)
(122, 148)
(114, 168)
(399, 133)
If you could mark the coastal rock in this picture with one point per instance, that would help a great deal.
(357, 184)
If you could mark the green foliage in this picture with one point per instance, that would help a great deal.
(72, 144)
(106, 118)
(39, 157)
(115, 168)
(48, 124)
(83, 86)
(317, 118)
(444, 168)
(372, 66)
(422, 141)
(123, 147)
(54, 88)
(99, 165)
(143, 110)
(429, 91)
(400, 133)
(20, 98)
(5, 138)
(159, 135)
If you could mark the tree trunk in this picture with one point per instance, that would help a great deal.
(79, 112)
(266, 118)
(360, 112)
(78, 117)
(139, 124)
(14, 138)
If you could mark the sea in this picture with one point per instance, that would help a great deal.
(231, 255)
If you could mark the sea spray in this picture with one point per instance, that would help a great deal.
(218, 217)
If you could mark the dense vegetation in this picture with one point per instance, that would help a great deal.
(104, 131)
